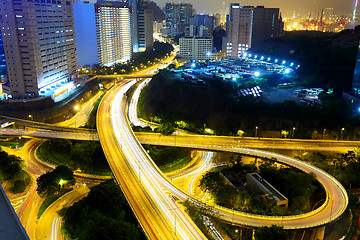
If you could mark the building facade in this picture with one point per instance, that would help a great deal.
(200, 26)
(177, 17)
(113, 32)
(198, 49)
(249, 26)
(38, 41)
(146, 39)
(85, 32)
(356, 79)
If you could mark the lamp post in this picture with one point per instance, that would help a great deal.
(324, 133)
(342, 131)
(31, 117)
(256, 131)
(293, 135)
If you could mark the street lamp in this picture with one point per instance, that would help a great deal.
(256, 131)
(342, 131)
(31, 117)
(294, 132)
(324, 133)
(76, 107)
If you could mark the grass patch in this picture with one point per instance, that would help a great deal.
(48, 201)
(47, 154)
(178, 164)
(13, 142)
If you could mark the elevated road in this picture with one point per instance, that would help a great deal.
(132, 165)
(157, 139)
(135, 172)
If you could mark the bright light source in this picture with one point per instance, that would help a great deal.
(276, 60)
(256, 74)
(262, 57)
(193, 65)
(287, 71)
(234, 78)
(208, 53)
(283, 62)
(76, 107)
(249, 55)
(292, 64)
(245, 54)
(269, 59)
(255, 56)
(61, 182)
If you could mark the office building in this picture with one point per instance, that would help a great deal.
(38, 46)
(249, 26)
(198, 49)
(177, 17)
(145, 36)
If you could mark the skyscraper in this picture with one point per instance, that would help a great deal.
(38, 45)
(177, 18)
(103, 33)
(113, 34)
(249, 26)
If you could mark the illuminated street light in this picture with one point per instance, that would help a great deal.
(283, 62)
(342, 131)
(256, 74)
(276, 60)
(31, 117)
(269, 59)
(76, 107)
(256, 131)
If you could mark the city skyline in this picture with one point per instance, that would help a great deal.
(306, 5)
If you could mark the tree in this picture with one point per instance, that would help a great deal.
(103, 214)
(51, 183)
(10, 166)
(166, 128)
(271, 233)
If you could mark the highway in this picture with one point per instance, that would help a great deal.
(157, 213)
(115, 125)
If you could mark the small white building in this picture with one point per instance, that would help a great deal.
(192, 48)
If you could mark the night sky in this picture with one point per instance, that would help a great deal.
(214, 6)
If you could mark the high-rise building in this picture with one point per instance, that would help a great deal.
(145, 36)
(198, 49)
(103, 33)
(177, 18)
(85, 32)
(249, 26)
(200, 26)
(113, 33)
(38, 45)
(356, 79)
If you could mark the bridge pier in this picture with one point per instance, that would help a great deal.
(320, 233)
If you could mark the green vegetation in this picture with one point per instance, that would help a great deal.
(49, 200)
(345, 166)
(166, 129)
(91, 122)
(196, 215)
(12, 173)
(103, 214)
(139, 60)
(297, 186)
(53, 183)
(169, 158)
(84, 155)
(13, 142)
(218, 106)
(271, 233)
